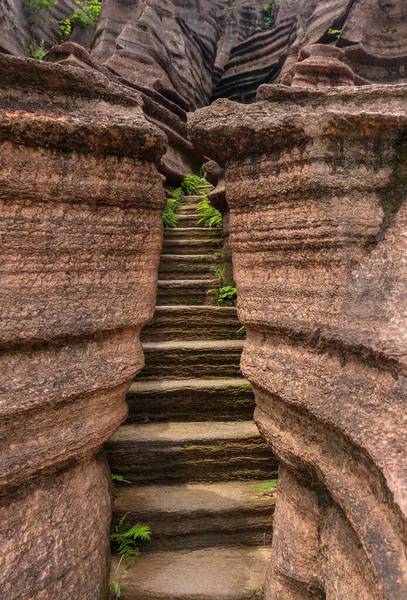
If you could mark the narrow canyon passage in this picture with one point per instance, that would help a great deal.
(190, 447)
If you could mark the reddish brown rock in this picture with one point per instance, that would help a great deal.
(81, 210)
(316, 185)
(321, 66)
(376, 33)
(373, 34)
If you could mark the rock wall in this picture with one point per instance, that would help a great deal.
(170, 51)
(316, 184)
(21, 30)
(374, 33)
(81, 202)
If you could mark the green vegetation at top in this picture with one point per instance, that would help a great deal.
(38, 13)
(86, 15)
(37, 10)
(269, 13)
(190, 184)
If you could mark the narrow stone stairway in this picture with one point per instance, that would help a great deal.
(190, 446)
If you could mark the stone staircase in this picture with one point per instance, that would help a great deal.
(189, 446)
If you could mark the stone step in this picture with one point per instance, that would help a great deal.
(183, 359)
(190, 220)
(207, 574)
(182, 399)
(187, 209)
(192, 292)
(186, 247)
(193, 200)
(172, 233)
(199, 515)
(195, 266)
(193, 323)
(177, 453)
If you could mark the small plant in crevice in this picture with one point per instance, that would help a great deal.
(124, 543)
(240, 331)
(225, 296)
(38, 52)
(118, 479)
(268, 16)
(211, 217)
(336, 33)
(269, 13)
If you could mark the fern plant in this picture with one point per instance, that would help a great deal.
(170, 218)
(190, 184)
(179, 196)
(211, 217)
(118, 479)
(124, 543)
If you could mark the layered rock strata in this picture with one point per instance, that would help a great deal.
(373, 32)
(256, 59)
(81, 202)
(316, 185)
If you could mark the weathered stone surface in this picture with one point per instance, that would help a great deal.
(376, 33)
(320, 66)
(256, 59)
(316, 185)
(373, 33)
(21, 30)
(81, 203)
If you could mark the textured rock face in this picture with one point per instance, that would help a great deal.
(374, 33)
(21, 29)
(316, 185)
(81, 203)
(378, 28)
(166, 49)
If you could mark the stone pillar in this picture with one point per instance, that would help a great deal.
(81, 203)
(316, 183)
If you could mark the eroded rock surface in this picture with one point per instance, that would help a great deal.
(81, 202)
(374, 33)
(316, 183)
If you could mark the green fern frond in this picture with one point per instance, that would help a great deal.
(138, 532)
(211, 217)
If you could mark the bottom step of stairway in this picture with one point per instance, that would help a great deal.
(209, 574)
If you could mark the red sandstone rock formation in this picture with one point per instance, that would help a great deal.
(316, 185)
(374, 33)
(81, 210)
